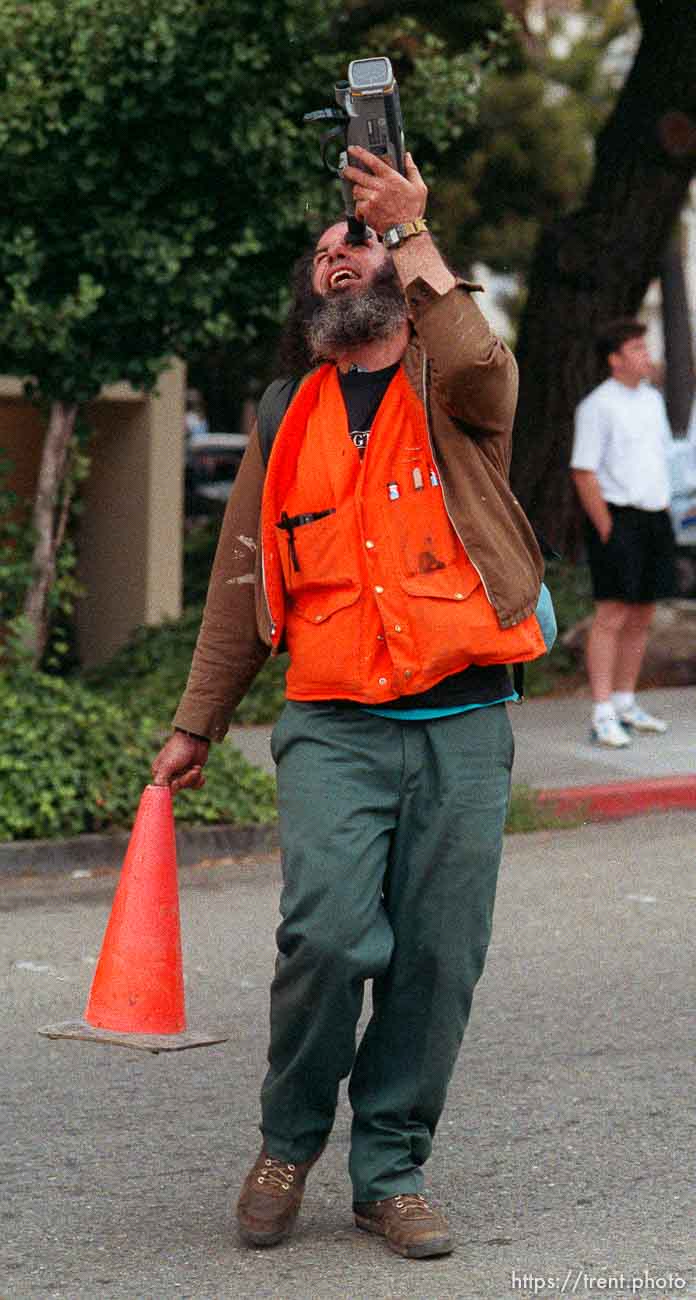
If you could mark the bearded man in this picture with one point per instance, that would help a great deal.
(397, 568)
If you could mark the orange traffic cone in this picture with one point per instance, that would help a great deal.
(137, 994)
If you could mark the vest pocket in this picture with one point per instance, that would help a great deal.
(290, 524)
(316, 604)
(448, 612)
(454, 625)
(315, 557)
(451, 583)
(421, 536)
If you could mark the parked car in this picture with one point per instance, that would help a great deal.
(212, 461)
(682, 466)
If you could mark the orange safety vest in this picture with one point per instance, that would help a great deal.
(363, 572)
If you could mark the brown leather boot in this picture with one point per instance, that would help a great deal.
(409, 1225)
(270, 1198)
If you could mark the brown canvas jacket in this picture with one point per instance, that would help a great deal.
(468, 380)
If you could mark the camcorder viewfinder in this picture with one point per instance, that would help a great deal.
(369, 114)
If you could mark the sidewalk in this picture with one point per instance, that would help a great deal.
(554, 754)
(553, 746)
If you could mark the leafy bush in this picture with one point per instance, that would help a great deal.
(234, 792)
(72, 761)
(264, 701)
(571, 591)
(76, 754)
(155, 663)
(15, 546)
(199, 552)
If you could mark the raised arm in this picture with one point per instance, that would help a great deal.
(473, 370)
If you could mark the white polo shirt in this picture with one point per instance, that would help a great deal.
(623, 435)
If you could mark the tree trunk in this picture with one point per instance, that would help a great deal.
(679, 339)
(596, 264)
(49, 523)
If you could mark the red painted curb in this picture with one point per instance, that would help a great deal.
(621, 798)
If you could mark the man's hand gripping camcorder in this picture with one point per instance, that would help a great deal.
(369, 115)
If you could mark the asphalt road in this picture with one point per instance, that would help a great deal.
(565, 1155)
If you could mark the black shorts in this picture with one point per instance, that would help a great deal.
(636, 563)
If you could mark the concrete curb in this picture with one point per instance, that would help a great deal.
(106, 852)
(618, 799)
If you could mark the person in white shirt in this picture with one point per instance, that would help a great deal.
(620, 470)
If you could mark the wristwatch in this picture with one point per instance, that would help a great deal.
(396, 235)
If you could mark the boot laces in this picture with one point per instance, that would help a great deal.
(412, 1205)
(276, 1172)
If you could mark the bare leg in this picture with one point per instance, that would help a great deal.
(602, 651)
(631, 648)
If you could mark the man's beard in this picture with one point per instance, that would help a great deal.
(347, 319)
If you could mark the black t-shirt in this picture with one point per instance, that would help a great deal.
(363, 391)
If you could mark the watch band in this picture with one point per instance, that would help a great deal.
(396, 235)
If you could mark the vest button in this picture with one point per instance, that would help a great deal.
(397, 627)
(318, 618)
(382, 681)
(369, 545)
(407, 672)
(458, 595)
(379, 590)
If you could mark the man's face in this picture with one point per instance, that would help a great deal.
(342, 268)
(358, 297)
(632, 362)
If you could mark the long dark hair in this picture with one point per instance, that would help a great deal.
(293, 357)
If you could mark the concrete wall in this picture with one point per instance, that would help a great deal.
(131, 531)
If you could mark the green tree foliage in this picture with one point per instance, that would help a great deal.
(153, 665)
(528, 156)
(157, 177)
(142, 180)
(525, 160)
(498, 174)
(156, 180)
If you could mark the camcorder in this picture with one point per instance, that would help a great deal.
(369, 114)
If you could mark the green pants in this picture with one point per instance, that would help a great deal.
(391, 837)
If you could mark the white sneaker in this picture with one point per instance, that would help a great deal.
(638, 720)
(609, 732)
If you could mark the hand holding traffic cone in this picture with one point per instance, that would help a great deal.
(137, 994)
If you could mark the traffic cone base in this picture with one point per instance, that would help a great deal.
(137, 994)
(79, 1029)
